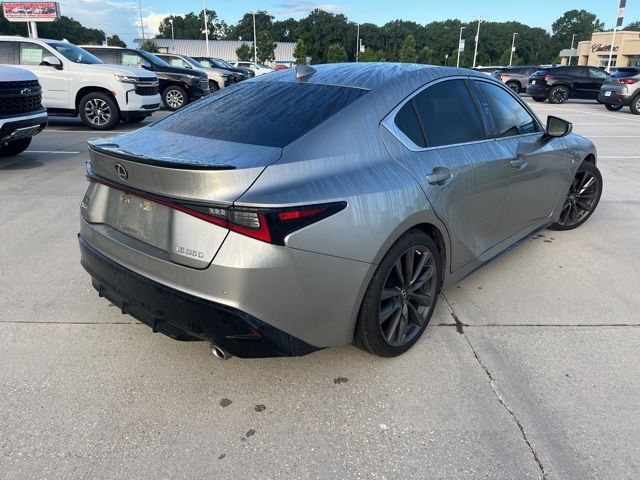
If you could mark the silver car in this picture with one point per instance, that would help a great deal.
(325, 205)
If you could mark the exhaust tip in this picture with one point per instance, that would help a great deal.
(219, 353)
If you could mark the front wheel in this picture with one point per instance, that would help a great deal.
(9, 149)
(515, 86)
(401, 296)
(558, 94)
(174, 97)
(582, 199)
(99, 111)
(213, 86)
(612, 108)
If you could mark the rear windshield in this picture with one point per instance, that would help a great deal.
(272, 114)
(626, 72)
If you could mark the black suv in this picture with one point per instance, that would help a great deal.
(239, 74)
(516, 78)
(178, 86)
(558, 84)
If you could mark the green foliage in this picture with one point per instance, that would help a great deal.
(243, 30)
(266, 47)
(115, 41)
(244, 52)
(633, 26)
(336, 54)
(368, 56)
(300, 53)
(408, 50)
(321, 29)
(149, 45)
(575, 22)
(506, 55)
(191, 26)
(425, 55)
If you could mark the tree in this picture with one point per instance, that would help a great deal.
(424, 56)
(191, 26)
(408, 51)
(575, 22)
(244, 52)
(149, 45)
(115, 41)
(321, 29)
(63, 28)
(336, 54)
(633, 26)
(300, 53)
(368, 56)
(266, 47)
(283, 30)
(506, 55)
(243, 30)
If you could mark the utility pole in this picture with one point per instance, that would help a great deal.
(357, 42)
(513, 48)
(459, 45)
(475, 52)
(206, 27)
(141, 22)
(255, 45)
(173, 39)
(573, 37)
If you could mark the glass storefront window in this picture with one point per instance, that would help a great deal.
(603, 61)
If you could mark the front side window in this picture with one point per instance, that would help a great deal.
(131, 59)
(597, 73)
(506, 117)
(32, 54)
(447, 114)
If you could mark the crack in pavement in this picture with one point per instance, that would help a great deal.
(459, 327)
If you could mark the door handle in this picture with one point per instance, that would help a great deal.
(439, 177)
(518, 163)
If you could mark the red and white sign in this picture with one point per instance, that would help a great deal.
(31, 11)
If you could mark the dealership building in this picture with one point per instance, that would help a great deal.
(595, 52)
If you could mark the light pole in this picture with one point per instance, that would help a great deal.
(573, 37)
(255, 45)
(206, 26)
(357, 41)
(475, 51)
(513, 48)
(172, 36)
(141, 23)
(459, 45)
(446, 59)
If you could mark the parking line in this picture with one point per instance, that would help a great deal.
(616, 156)
(614, 136)
(50, 151)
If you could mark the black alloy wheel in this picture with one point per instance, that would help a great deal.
(515, 86)
(559, 94)
(582, 199)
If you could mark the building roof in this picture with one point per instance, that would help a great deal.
(224, 49)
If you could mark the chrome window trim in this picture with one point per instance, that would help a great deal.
(389, 120)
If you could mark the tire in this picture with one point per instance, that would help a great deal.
(539, 99)
(398, 305)
(635, 105)
(133, 120)
(613, 108)
(558, 94)
(585, 191)
(15, 147)
(515, 86)
(174, 97)
(99, 111)
(213, 86)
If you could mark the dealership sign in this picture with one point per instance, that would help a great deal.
(31, 11)
(599, 47)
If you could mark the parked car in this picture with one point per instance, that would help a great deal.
(486, 70)
(74, 82)
(559, 84)
(239, 74)
(178, 86)
(218, 78)
(321, 213)
(257, 67)
(22, 115)
(622, 89)
(280, 66)
(516, 78)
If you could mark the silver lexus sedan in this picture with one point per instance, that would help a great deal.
(324, 206)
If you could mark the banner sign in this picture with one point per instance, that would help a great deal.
(461, 46)
(623, 4)
(31, 11)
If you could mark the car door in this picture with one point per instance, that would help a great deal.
(581, 81)
(438, 136)
(54, 81)
(536, 165)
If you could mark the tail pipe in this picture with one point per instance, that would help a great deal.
(219, 353)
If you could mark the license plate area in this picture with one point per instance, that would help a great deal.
(607, 94)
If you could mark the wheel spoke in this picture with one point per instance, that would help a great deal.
(414, 316)
(423, 299)
(388, 310)
(409, 258)
(389, 293)
(424, 258)
(423, 279)
(404, 323)
(398, 269)
(586, 181)
(583, 205)
(394, 325)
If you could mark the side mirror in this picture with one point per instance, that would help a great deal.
(146, 65)
(51, 61)
(557, 127)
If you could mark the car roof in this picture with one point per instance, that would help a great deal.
(369, 75)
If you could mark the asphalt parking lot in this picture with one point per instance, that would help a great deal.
(540, 378)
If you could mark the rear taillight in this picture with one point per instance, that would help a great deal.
(628, 81)
(269, 225)
(547, 78)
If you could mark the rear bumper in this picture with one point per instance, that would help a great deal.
(537, 90)
(615, 98)
(23, 126)
(186, 317)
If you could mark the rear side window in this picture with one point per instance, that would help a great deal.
(505, 115)
(447, 114)
(131, 59)
(272, 114)
(620, 73)
(6, 53)
(407, 121)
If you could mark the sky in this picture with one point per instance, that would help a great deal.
(121, 17)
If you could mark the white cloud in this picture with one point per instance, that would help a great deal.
(300, 9)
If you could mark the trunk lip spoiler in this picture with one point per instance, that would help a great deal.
(114, 150)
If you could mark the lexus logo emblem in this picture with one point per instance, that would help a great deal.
(25, 91)
(121, 171)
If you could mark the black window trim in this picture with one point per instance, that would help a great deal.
(389, 121)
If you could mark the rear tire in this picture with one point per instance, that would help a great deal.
(582, 199)
(612, 108)
(539, 99)
(213, 86)
(515, 86)
(401, 296)
(558, 94)
(99, 111)
(635, 105)
(174, 97)
(14, 147)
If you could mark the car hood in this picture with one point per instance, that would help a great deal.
(123, 70)
(179, 70)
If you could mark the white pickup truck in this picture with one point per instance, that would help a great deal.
(74, 82)
(21, 112)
